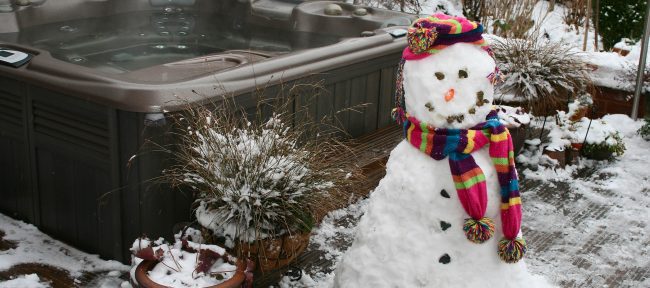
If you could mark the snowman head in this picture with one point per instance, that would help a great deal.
(447, 73)
(450, 89)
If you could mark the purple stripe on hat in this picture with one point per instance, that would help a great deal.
(440, 28)
(464, 39)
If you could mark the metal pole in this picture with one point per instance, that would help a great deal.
(641, 71)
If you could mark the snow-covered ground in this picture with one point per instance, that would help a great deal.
(25, 281)
(33, 246)
(587, 225)
(590, 221)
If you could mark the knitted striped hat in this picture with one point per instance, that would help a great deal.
(431, 34)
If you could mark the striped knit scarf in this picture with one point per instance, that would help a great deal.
(458, 144)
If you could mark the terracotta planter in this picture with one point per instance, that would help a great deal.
(142, 278)
(622, 52)
(576, 146)
(572, 156)
(582, 112)
(275, 253)
(560, 156)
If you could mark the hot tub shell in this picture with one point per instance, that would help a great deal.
(68, 133)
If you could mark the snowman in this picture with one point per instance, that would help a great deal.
(448, 211)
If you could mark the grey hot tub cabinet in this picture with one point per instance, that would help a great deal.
(68, 133)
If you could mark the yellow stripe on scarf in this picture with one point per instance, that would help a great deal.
(470, 141)
(513, 201)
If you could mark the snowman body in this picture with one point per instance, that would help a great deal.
(411, 234)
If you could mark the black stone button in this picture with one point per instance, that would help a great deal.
(444, 225)
(444, 193)
(445, 259)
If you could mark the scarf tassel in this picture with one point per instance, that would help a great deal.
(511, 251)
(479, 231)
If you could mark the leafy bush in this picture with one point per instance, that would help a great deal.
(604, 150)
(539, 75)
(621, 19)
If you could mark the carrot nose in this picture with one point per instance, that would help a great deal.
(450, 95)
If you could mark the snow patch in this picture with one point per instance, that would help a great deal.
(25, 281)
(36, 247)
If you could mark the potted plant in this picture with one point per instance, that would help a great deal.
(606, 149)
(539, 75)
(261, 184)
(186, 263)
(599, 140)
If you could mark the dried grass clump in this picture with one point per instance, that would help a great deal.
(508, 18)
(575, 13)
(627, 78)
(541, 76)
(258, 178)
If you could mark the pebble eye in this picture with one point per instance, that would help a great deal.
(439, 75)
(462, 73)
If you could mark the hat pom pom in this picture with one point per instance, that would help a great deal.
(511, 251)
(478, 231)
(420, 39)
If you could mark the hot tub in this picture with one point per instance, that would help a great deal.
(103, 71)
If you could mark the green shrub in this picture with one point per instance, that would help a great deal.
(645, 130)
(621, 19)
(603, 150)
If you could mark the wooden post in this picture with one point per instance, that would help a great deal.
(587, 18)
(596, 24)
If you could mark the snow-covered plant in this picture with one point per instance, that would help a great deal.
(257, 179)
(604, 150)
(539, 75)
(598, 136)
(644, 131)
